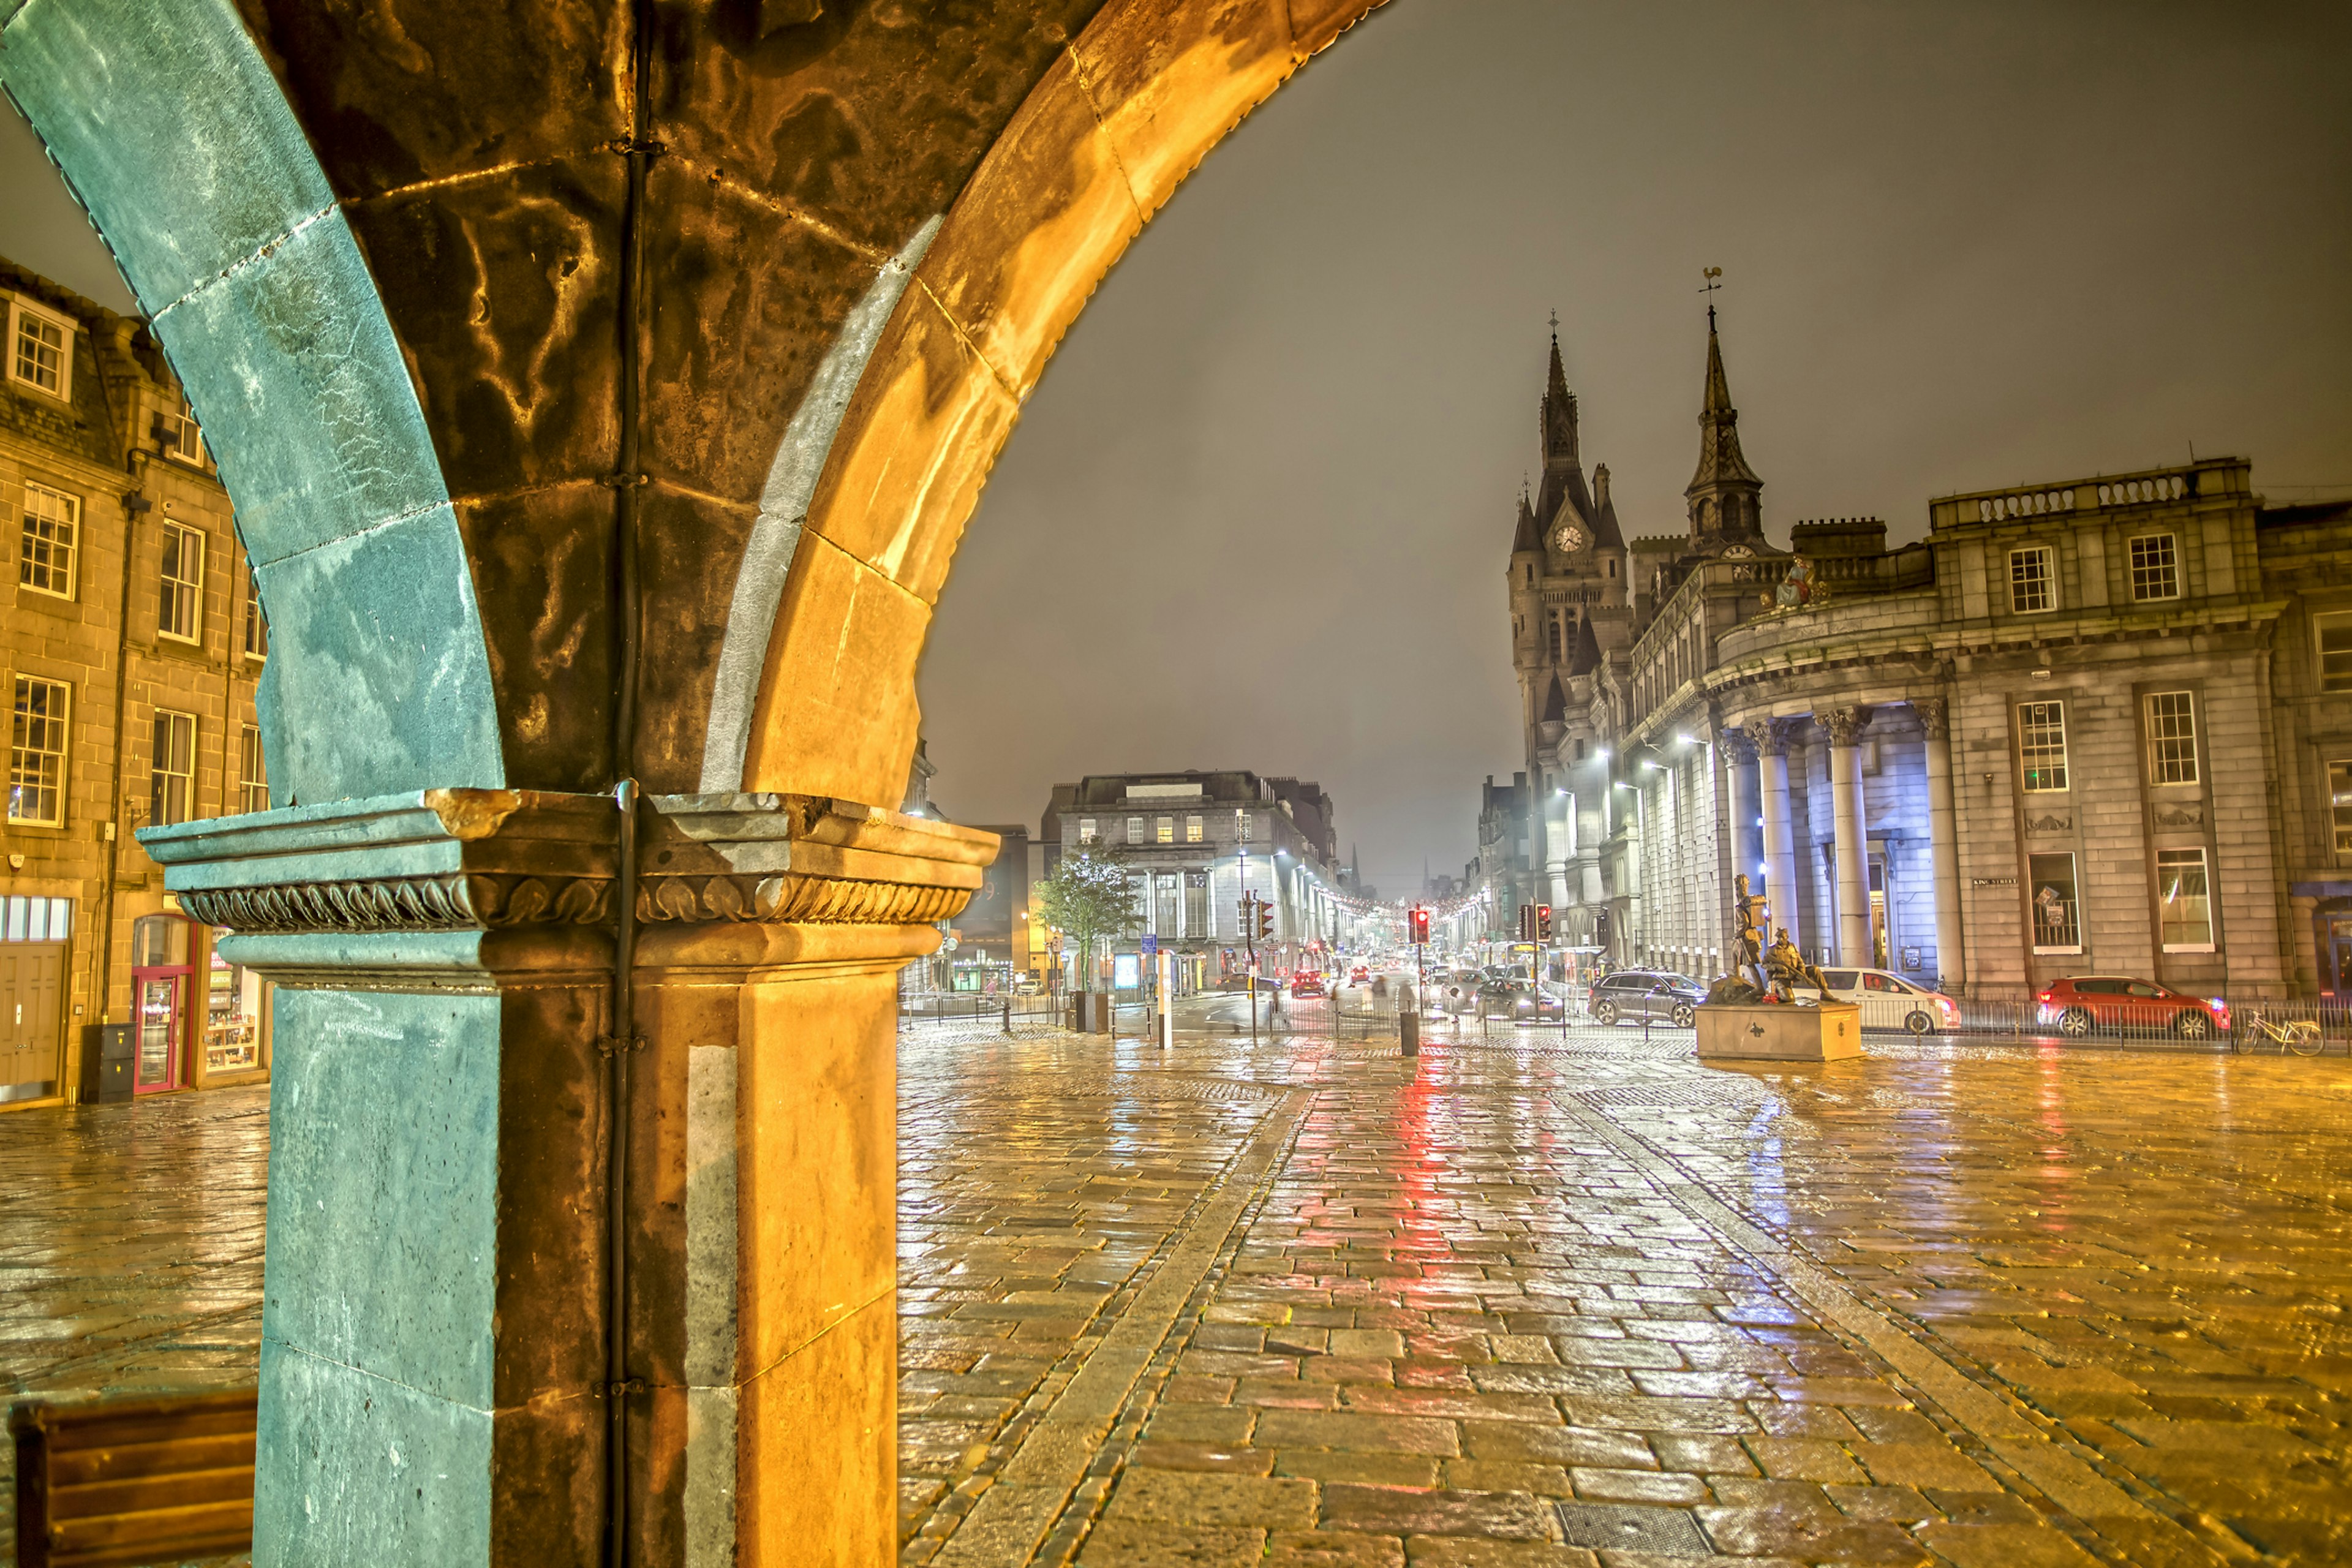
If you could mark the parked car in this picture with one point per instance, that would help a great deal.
(2082, 1002)
(1888, 1001)
(1520, 1002)
(1308, 985)
(1027, 985)
(1637, 993)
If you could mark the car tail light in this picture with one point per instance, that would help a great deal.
(1950, 1010)
(2220, 1011)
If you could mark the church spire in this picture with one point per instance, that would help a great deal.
(1558, 412)
(1724, 492)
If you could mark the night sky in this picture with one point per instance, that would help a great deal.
(1257, 514)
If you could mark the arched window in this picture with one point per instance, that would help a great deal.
(1557, 656)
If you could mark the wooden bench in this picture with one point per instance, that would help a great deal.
(133, 1481)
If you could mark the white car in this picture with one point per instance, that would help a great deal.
(1889, 1001)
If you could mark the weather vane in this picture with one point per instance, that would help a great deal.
(1555, 324)
(1711, 274)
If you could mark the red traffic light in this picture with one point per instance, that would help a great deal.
(1420, 923)
(1543, 923)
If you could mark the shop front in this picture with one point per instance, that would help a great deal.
(198, 1020)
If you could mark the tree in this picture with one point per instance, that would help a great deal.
(1088, 898)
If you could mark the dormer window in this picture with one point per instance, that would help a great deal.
(40, 350)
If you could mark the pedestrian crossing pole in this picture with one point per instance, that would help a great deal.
(1167, 995)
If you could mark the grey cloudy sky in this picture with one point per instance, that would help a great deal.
(1256, 515)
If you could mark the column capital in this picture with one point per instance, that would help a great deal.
(1843, 724)
(1766, 737)
(1936, 713)
(416, 886)
(1737, 745)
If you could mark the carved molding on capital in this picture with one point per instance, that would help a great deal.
(1767, 736)
(1844, 724)
(1738, 747)
(1936, 713)
(455, 861)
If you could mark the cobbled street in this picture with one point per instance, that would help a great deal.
(1569, 1300)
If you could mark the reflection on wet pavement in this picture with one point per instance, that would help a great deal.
(1576, 1302)
(1588, 1301)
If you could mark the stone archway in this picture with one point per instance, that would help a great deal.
(603, 391)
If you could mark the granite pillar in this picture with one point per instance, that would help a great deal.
(1779, 849)
(1943, 843)
(1852, 859)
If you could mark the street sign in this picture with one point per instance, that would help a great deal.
(1150, 944)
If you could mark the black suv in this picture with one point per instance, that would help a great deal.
(1636, 994)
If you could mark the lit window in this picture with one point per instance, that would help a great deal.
(2339, 803)
(37, 753)
(52, 534)
(2186, 915)
(36, 919)
(1241, 827)
(2171, 738)
(1135, 830)
(2032, 583)
(1167, 833)
(1192, 831)
(253, 775)
(172, 764)
(2041, 746)
(2156, 571)
(180, 606)
(257, 625)
(176, 433)
(1086, 830)
(2335, 631)
(39, 352)
(2057, 924)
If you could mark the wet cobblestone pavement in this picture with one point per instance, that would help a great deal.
(1591, 1302)
(1583, 1301)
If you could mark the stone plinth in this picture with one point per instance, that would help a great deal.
(1781, 1031)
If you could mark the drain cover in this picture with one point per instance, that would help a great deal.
(1629, 1527)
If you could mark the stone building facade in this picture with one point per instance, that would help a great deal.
(134, 647)
(1194, 842)
(2100, 725)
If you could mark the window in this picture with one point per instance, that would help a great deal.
(37, 753)
(257, 625)
(177, 433)
(172, 768)
(180, 610)
(2041, 746)
(1086, 830)
(2155, 572)
(1192, 830)
(2184, 914)
(2057, 925)
(1167, 830)
(2334, 650)
(40, 351)
(44, 558)
(1196, 903)
(252, 777)
(2032, 583)
(1135, 830)
(1241, 827)
(2339, 803)
(2171, 738)
(36, 919)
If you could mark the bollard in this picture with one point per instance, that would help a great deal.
(1409, 1032)
(1008, 1017)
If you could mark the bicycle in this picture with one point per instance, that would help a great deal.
(2300, 1035)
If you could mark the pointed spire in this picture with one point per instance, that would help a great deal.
(1723, 492)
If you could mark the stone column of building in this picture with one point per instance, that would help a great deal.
(1943, 841)
(1771, 743)
(442, 1204)
(1852, 861)
(1739, 759)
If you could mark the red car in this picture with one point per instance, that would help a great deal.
(1307, 986)
(2082, 1002)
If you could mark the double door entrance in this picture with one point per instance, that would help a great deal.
(159, 976)
(34, 935)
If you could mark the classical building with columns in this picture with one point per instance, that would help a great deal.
(2090, 726)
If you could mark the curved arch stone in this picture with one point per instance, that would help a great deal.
(191, 162)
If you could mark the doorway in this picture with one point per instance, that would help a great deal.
(159, 995)
(1880, 948)
(33, 932)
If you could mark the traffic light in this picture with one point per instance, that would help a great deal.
(1264, 919)
(1543, 923)
(1601, 927)
(1526, 923)
(1420, 923)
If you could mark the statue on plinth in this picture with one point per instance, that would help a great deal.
(1746, 982)
(1788, 968)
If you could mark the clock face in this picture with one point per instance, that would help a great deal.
(1571, 539)
(1738, 553)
